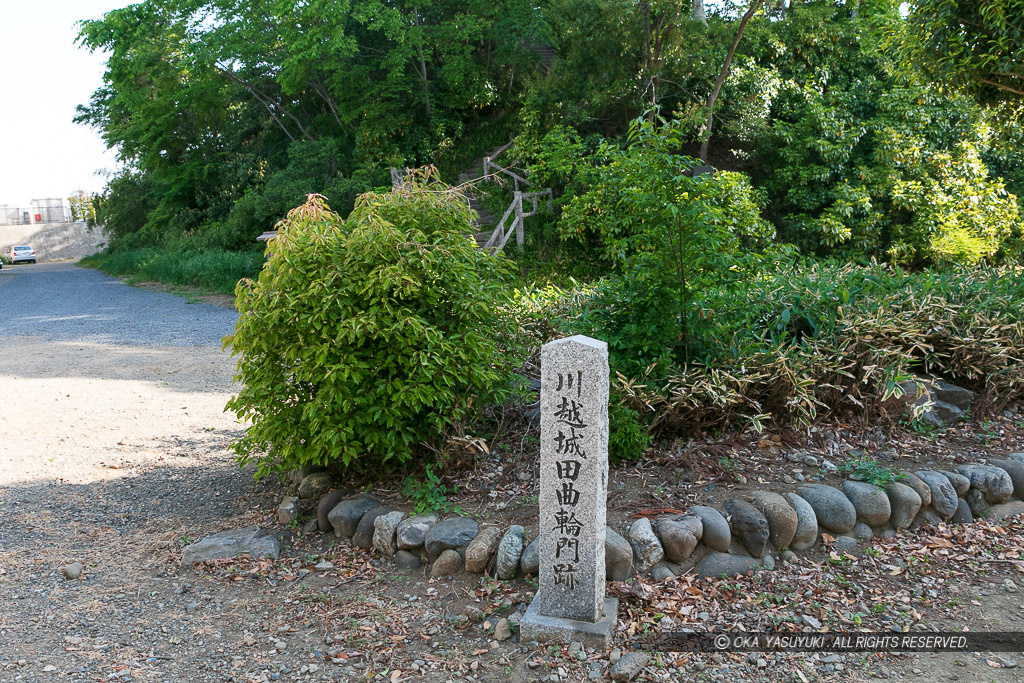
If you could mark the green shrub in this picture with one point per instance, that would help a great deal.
(428, 493)
(364, 339)
(666, 236)
(627, 437)
(871, 471)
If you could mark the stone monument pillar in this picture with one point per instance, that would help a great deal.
(570, 604)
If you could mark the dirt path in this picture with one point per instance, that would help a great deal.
(113, 453)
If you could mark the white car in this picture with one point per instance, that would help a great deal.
(23, 253)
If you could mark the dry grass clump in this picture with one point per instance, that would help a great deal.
(831, 340)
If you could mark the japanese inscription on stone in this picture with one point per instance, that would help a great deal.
(574, 478)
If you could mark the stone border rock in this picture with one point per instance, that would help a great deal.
(749, 535)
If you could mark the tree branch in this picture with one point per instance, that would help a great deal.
(267, 102)
(1002, 86)
(705, 131)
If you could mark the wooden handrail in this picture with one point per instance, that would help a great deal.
(503, 231)
(501, 169)
(499, 230)
(501, 149)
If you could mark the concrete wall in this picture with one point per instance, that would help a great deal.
(52, 241)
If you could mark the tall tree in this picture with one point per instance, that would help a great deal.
(968, 44)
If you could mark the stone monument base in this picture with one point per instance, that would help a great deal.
(598, 635)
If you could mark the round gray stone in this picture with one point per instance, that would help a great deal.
(480, 549)
(502, 631)
(1016, 471)
(406, 561)
(618, 556)
(870, 502)
(782, 518)
(963, 514)
(862, 532)
(451, 533)
(72, 571)
(509, 551)
(345, 516)
(326, 504)
(660, 572)
(679, 537)
(288, 511)
(1003, 511)
(925, 516)
(384, 528)
(806, 523)
(413, 531)
(448, 563)
(363, 537)
(748, 525)
(976, 501)
(647, 550)
(959, 482)
(627, 667)
(716, 534)
(905, 504)
(994, 483)
(915, 482)
(529, 561)
(724, 564)
(314, 485)
(833, 510)
(944, 498)
(845, 544)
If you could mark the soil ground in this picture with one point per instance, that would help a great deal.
(114, 453)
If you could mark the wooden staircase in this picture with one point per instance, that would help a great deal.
(546, 53)
(484, 218)
(493, 239)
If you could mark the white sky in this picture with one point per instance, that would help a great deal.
(43, 76)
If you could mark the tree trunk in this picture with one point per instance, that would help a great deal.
(698, 12)
(659, 29)
(722, 75)
(423, 62)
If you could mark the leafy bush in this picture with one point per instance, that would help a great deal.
(364, 339)
(627, 437)
(871, 471)
(428, 494)
(667, 236)
(545, 312)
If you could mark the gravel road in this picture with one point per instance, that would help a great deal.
(60, 302)
(113, 448)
